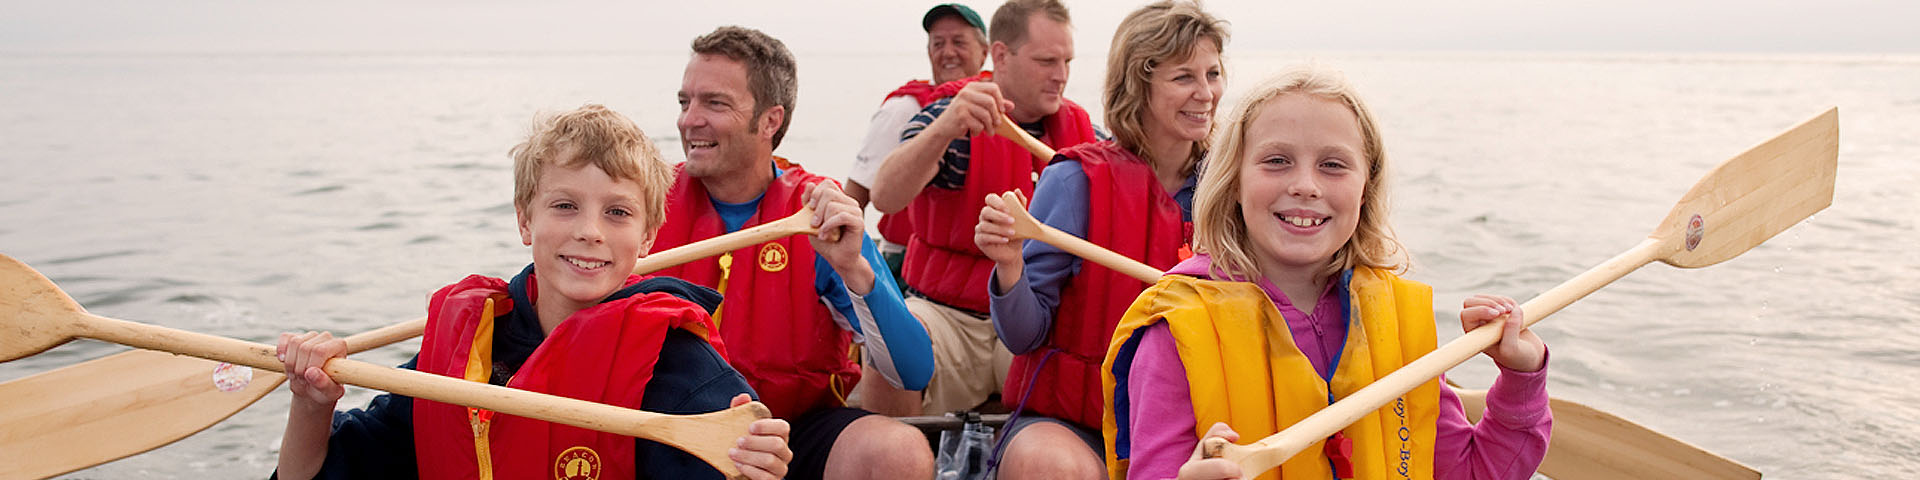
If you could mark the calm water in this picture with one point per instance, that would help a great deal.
(248, 195)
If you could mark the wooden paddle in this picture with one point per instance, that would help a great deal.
(43, 317)
(124, 404)
(1587, 443)
(106, 409)
(1012, 131)
(1027, 227)
(1738, 205)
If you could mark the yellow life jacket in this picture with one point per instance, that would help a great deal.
(1243, 368)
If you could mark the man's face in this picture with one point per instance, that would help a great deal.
(1034, 74)
(718, 130)
(954, 49)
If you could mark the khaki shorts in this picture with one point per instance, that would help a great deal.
(969, 361)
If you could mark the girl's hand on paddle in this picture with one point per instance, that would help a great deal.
(1198, 468)
(1519, 349)
(973, 111)
(763, 453)
(302, 355)
(994, 235)
(842, 229)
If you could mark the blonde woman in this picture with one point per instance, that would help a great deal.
(1131, 194)
(1293, 302)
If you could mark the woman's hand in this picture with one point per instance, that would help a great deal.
(994, 235)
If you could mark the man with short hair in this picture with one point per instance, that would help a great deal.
(949, 162)
(956, 49)
(792, 308)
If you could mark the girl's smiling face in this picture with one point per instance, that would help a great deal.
(1302, 177)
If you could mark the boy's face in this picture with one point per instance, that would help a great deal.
(586, 233)
(718, 130)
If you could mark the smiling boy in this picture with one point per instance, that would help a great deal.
(589, 196)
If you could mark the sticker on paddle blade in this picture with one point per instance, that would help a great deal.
(1696, 229)
(231, 378)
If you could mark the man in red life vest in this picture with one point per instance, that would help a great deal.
(956, 48)
(793, 307)
(949, 161)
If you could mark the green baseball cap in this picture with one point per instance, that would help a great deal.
(944, 9)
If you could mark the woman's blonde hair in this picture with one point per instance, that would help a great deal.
(593, 135)
(1160, 33)
(1220, 230)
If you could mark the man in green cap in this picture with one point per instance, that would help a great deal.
(956, 49)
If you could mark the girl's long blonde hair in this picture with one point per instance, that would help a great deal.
(1220, 230)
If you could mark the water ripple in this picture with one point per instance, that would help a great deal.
(320, 190)
(91, 257)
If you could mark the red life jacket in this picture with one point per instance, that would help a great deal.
(942, 261)
(896, 227)
(784, 340)
(605, 353)
(1132, 215)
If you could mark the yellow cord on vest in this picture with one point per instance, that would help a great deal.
(480, 369)
(726, 270)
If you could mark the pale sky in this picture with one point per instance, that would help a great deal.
(1624, 26)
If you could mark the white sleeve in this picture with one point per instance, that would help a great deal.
(883, 135)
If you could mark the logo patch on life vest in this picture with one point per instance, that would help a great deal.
(773, 257)
(1696, 229)
(577, 463)
(230, 378)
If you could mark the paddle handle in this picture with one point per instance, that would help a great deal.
(1270, 452)
(714, 431)
(1027, 227)
(1084, 249)
(1018, 135)
(797, 223)
(387, 335)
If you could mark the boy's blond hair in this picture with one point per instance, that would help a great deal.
(594, 135)
(1221, 231)
(1160, 33)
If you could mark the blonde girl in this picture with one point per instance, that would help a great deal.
(1294, 302)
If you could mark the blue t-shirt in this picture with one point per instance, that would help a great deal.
(901, 339)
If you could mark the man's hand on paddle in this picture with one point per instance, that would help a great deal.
(994, 236)
(763, 453)
(842, 230)
(974, 111)
(1519, 349)
(1198, 468)
(302, 355)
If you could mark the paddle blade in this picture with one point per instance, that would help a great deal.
(32, 311)
(113, 407)
(1591, 444)
(1754, 196)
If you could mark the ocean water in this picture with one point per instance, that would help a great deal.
(246, 195)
